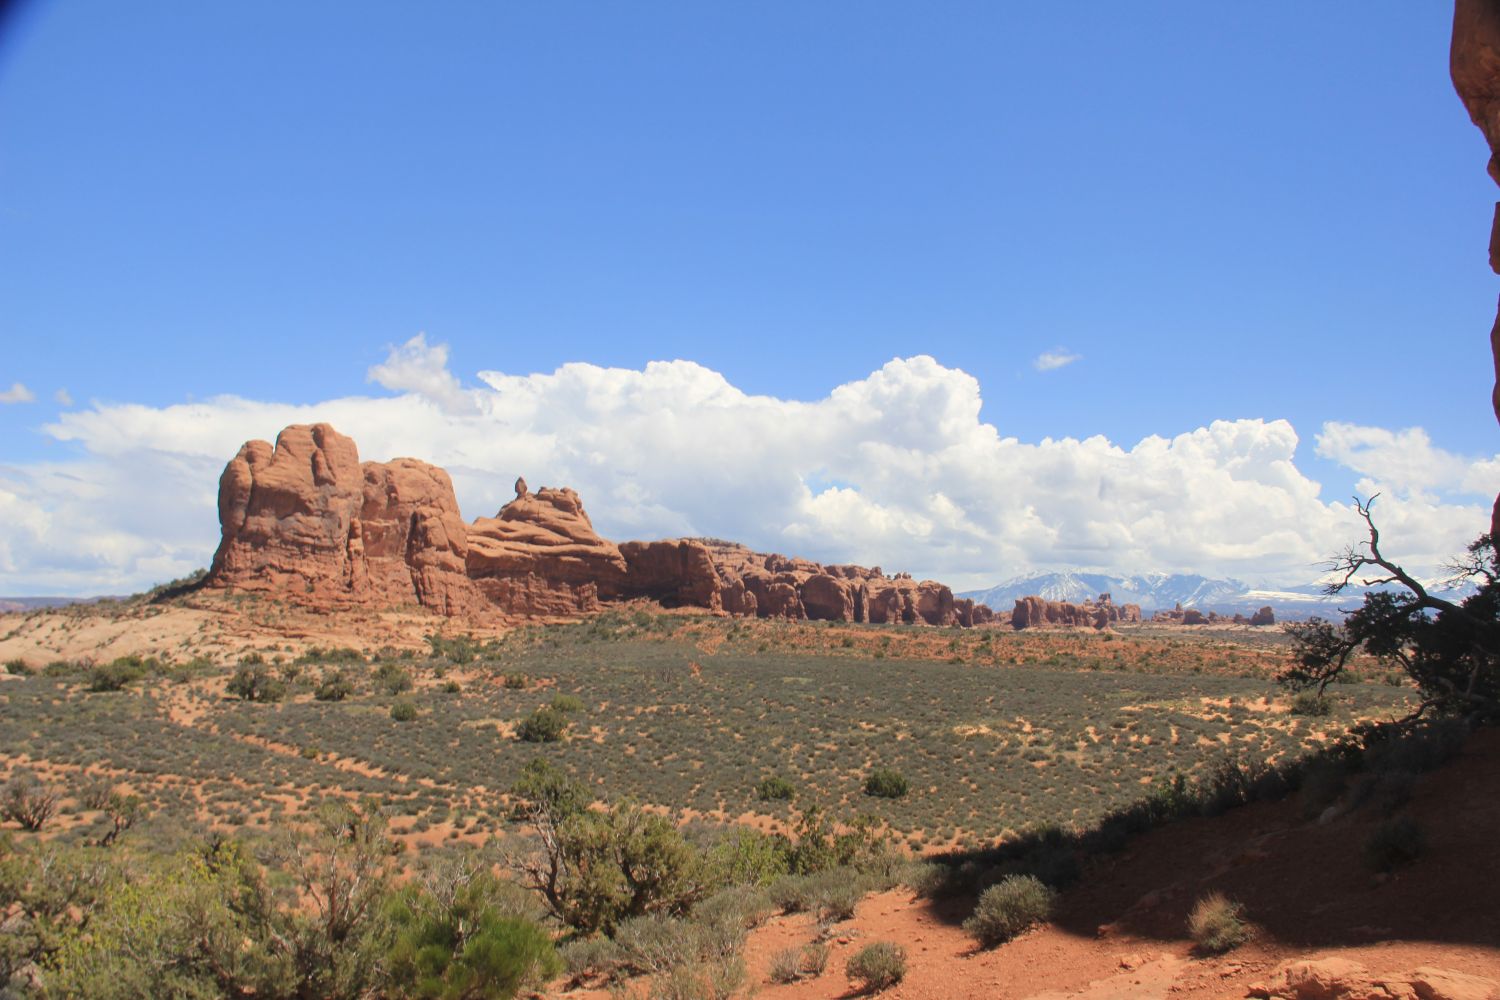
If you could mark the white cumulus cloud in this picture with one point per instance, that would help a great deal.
(894, 469)
(1058, 357)
(17, 393)
(1406, 460)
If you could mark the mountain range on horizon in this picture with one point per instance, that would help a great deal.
(1159, 591)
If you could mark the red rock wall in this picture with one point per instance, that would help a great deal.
(1474, 62)
(1037, 612)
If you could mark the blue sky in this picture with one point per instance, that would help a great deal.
(1270, 212)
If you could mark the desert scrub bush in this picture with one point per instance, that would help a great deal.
(746, 857)
(545, 725)
(786, 966)
(114, 675)
(1006, 909)
(255, 682)
(334, 687)
(832, 893)
(886, 783)
(455, 649)
(452, 687)
(775, 789)
(27, 801)
(1311, 703)
(1217, 924)
(515, 682)
(333, 654)
(596, 956)
(403, 710)
(814, 959)
(929, 879)
(459, 942)
(877, 966)
(567, 703)
(18, 668)
(837, 899)
(714, 980)
(392, 678)
(1394, 843)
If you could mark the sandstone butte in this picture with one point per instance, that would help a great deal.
(307, 521)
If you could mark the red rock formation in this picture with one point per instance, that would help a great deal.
(541, 555)
(674, 573)
(306, 520)
(1265, 616)
(413, 537)
(1035, 612)
(1474, 63)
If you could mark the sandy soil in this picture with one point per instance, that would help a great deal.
(1121, 932)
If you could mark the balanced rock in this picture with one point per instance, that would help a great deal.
(540, 555)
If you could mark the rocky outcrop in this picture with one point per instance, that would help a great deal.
(1265, 616)
(1343, 979)
(1038, 612)
(674, 573)
(413, 538)
(792, 588)
(540, 555)
(1474, 63)
(307, 521)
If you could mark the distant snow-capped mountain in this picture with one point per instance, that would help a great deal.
(1155, 591)
(1150, 590)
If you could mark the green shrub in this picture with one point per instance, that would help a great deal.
(255, 682)
(452, 687)
(747, 857)
(775, 789)
(18, 668)
(1217, 924)
(334, 687)
(545, 725)
(567, 703)
(392, 678)
(403, 710)
(114, 675)
(1394, 843)
(814, 959)
(465, 946)
(886, 783)
(516, 682)
(1004, 910)
(877, 966)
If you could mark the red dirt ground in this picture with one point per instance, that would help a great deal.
(1121, 932)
